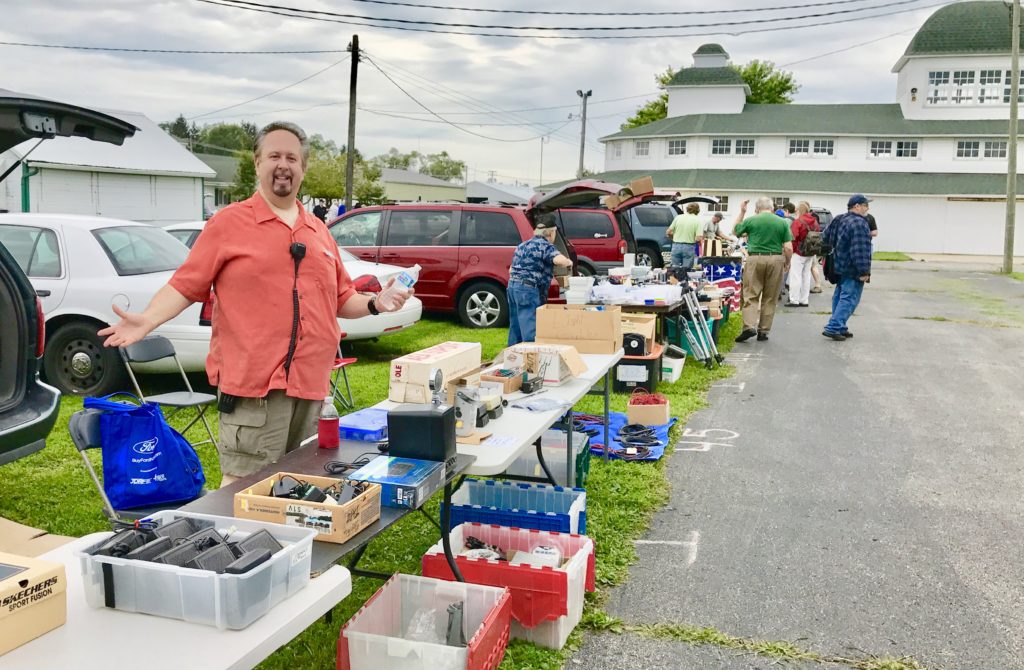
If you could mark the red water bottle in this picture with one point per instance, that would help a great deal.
(327, 433)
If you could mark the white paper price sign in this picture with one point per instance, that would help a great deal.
(631, 373)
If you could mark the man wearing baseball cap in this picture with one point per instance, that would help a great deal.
(533, 265)
(850, 239)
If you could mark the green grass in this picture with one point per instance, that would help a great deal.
(1019, 276)
(51, 490)
(890, 256)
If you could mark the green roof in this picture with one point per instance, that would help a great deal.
(799, 181)
(964, 28)
(707, 76)
(708, 49)
(829, 120)
(226, 167)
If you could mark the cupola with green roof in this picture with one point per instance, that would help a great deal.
(710, 86)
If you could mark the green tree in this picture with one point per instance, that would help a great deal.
(224, 139)
(443, 166)
(245, 178)
(182, 129)
(368, 189)
(768, 86)
(325, 175)
(396, 160)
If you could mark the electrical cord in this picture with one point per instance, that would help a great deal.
(341, 467)
(298, 252)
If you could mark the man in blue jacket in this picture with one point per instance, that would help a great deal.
(849, 236)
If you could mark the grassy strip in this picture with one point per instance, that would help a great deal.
(1019, 276)
(890, 256)
(970, 322)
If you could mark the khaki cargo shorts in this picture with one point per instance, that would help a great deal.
(262, 430)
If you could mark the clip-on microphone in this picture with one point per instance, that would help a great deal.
(298, 252)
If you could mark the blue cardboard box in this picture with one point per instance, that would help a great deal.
(404, 482)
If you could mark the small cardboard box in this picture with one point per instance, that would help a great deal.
(642, 324)
(715, 309)
(589, 329)
(642, 186)
(333, 523)
(563, 361)
(649, 415)
(509, 384)
(612, 201)
(409, 380)
(33, 599)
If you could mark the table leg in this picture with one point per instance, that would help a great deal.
(570, 461)
(607, 375)
(431, 519)
(354, 562)
(446, 540)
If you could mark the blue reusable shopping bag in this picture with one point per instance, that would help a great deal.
(145, 461)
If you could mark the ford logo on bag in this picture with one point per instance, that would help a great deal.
(145, 447)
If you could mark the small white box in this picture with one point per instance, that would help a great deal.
(671, 369)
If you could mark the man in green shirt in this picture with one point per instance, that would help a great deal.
(769, 248)
(685, 231)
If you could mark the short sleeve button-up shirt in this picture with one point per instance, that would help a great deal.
(533, 262)
(243, 255)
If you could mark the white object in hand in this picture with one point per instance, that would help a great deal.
(402, 285)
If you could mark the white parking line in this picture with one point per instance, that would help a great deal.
(691, 544)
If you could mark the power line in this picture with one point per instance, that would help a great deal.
(535, 12)
(319, 15)
(267, 95)
(531, 109)
(82, 47)
(852, 46)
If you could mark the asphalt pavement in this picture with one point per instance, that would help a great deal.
(855, 499)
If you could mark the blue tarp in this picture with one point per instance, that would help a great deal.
(617, 420)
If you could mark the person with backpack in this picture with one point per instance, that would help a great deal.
(806, 245)
(848, 266)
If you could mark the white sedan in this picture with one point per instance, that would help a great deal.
(367, 278)
(80, 265)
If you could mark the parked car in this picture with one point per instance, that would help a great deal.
(824, 216)
(651, 220)
(602, 237)
(464, 252)
(367, 277)
(28, 407)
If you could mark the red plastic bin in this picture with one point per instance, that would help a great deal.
(547, 603)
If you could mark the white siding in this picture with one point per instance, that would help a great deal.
(915, 75)
(684, 100)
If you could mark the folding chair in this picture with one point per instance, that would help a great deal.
(154, 348)
(339, 375)
(84, 427)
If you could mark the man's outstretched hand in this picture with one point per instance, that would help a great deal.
(130, 329)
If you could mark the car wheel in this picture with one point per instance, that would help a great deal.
(585, 270)
(483, 305)
(75, 361)
(648, 256)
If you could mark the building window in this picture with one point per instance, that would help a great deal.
(963, 87)
(722, 206)
(995, 148)
(721, 147)
(778, 201)
(991, 86)
(880, 149)
(938, 87)
(616, 149)
(641, 148)
(967, 148)
(799, 147)
(906, 149)
(1006, 87)
(677, 147)
(745, 147)
(824, 147)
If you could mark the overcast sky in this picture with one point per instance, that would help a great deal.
(449, 74)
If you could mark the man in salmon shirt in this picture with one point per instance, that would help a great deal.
(280, 287)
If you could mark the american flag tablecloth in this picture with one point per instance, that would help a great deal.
(725, 272)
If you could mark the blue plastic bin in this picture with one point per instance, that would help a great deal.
(366, 425)
(520, 505)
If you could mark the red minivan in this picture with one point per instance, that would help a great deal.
(464, 251)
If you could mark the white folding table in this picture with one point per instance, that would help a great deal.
(107, 638)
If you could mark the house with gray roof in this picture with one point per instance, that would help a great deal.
(934, 160)
(216, 189)
(409, 186)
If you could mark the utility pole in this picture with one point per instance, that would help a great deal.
(350, 152)
(1011, 150)
(543, 140)
(583, 130)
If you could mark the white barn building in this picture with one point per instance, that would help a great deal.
(934, 161)
(151, 178)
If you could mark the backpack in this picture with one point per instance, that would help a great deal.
(812, 244)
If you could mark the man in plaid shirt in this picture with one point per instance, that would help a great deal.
(850, 239)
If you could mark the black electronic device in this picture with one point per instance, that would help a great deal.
(635, 344)
(248, 561)
(423, 432)
(532, 385)
(150, 550)
(177, 529)
(215, 559)
(261, 539)
(180, 555)
(123, 542)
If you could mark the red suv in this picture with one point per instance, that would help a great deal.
(464, 252)
(601, 236)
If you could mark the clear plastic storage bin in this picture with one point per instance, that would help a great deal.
(379, 636)
(553, 445)
(547, 602)
(202, 596)
(520, 505)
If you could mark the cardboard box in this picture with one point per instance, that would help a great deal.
(409, 380)
(642, 186)
(560, 362)
(649, 415)
(333, 523)
(33, 599)
(589, 329)
(642, 324)
(16, 538)
(612, 201)
(715, 309)
(508, 384)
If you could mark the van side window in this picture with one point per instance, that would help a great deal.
(425, 228)
(579, 225)
(358, 230)
(488, 229)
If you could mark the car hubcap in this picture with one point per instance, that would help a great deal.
(483, 309)
(81, 364)
(644, 258)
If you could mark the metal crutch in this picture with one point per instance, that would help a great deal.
(698, 333)
(712, 347)
(698, 351)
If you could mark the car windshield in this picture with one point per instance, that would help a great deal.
(654, 216)
(138, 250)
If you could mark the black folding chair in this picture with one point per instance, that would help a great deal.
(84, 427)
(157, 347)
